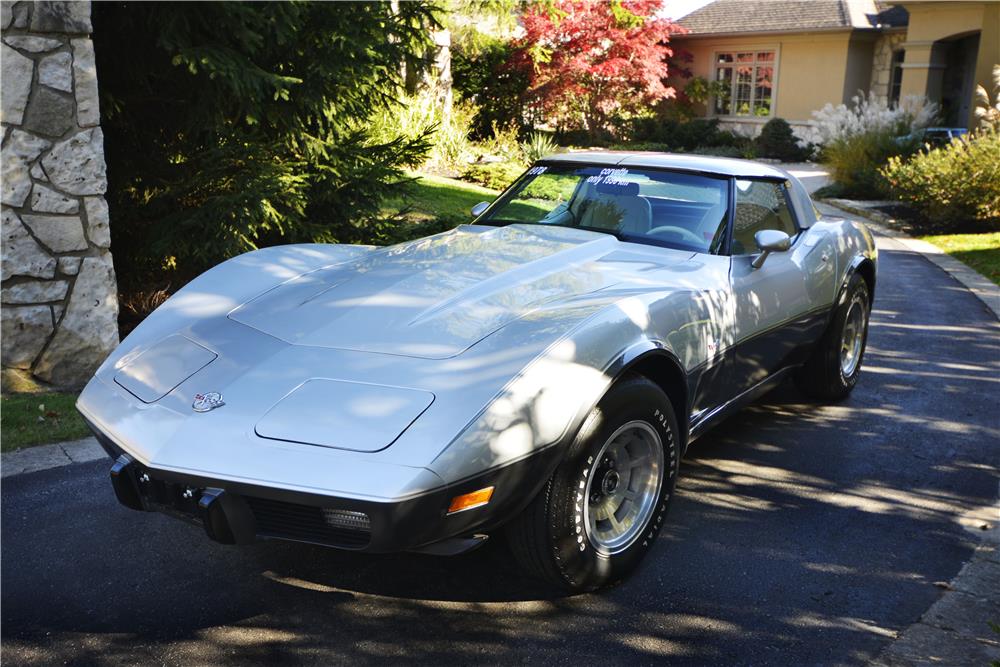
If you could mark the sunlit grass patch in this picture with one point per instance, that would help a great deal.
(980, 251)
(438, 198)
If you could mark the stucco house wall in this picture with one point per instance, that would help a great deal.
(932, 23)
(858, 66)
(809, 66)
(59, 306)
(948, 48)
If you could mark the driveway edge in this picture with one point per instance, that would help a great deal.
(43, 457)
(956, 630)
(984, 289)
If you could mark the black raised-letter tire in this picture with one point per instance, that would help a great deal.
(833, 369)
(603, 507)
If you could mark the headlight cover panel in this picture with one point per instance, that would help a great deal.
(163, 367)
(347, 415)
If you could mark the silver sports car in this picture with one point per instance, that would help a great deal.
(540, 370)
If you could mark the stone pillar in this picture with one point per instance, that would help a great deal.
(881, 77)
(59, 302)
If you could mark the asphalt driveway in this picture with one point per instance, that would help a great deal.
(802, 534)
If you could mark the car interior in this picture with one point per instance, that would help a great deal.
(624, 208)
(683, 210)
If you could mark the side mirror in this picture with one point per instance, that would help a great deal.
(478, 209)
(770, 240)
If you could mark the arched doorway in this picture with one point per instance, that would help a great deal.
(957, 55)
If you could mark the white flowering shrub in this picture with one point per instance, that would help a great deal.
(988, 112)
(858, 140)
(869, 114)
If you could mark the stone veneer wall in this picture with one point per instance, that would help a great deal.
(59, 303)
(882, 63)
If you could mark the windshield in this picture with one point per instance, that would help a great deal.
(679, 210)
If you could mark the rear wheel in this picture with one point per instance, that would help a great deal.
(833, 369)
(601, 511)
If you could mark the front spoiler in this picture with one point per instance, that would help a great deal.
(240, 513)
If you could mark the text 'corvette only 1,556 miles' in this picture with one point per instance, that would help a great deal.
(539, 371)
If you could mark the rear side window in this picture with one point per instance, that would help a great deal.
(760, 205)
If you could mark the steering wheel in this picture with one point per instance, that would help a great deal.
(688, 236)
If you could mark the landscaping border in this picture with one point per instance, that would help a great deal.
(984, 289)
(43, 457)
(953, 630)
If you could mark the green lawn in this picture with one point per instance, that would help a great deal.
(438, 198)
(38, 419)
(436, 203)
(980, 251)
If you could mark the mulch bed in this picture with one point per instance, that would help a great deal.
(911, 221)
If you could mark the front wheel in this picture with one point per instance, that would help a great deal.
(833, 369)
(603, 507)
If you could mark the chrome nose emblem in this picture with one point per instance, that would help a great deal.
(206, 402)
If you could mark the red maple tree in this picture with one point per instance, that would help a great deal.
(592, 60)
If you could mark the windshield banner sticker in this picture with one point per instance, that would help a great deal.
(610, 177)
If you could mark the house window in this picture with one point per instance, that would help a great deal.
(749, 78)
(896, 78)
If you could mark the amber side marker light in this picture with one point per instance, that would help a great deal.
(469, 501)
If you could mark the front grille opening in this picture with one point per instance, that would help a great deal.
(304, 523)
(347, 519)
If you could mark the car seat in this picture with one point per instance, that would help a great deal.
(616, 207)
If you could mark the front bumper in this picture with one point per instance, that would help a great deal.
(240, 513)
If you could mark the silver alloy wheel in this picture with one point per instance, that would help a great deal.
(853, 338)
(622, 487)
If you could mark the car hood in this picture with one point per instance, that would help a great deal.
(322, 359)
(435, 297)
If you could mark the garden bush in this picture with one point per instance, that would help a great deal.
(538, 146)
(683, 135)
(776, 140)
(855, 162)
(689, 135)
(551, 189)
(579, 138)
(503, 143)
(423, 115)
(233, 126)
(720, 151)
(494, 175)
(640, 146)
(953, 185)
(858, 140)
(872, 114)
(483, 73)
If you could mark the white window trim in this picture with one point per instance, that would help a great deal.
(774, 83)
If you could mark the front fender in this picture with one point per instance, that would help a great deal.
(546, 403)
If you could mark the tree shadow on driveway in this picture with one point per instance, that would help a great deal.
(801, 534)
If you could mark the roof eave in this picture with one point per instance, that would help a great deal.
(754, 33)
